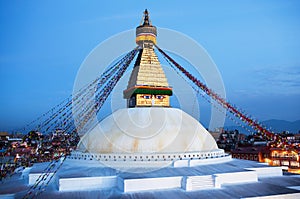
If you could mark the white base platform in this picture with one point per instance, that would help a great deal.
(187, 183)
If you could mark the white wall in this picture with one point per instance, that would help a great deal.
(235, 178)
(131, 185)
(87, 183)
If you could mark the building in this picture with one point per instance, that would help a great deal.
(254, 153)
(149, 150)
(287, 159)
(273, 154)
(4, 136)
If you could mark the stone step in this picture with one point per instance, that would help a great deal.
(193, 183)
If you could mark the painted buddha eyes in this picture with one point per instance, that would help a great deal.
(156, 96)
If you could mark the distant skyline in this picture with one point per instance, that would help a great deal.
(255, 45)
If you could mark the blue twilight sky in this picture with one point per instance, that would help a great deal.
(255, 44)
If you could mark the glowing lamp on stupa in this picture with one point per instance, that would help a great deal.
(146, 33)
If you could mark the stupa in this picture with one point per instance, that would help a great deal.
(150, 150)
(149, 131)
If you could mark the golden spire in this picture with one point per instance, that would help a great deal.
(148, 85)
(145, 32)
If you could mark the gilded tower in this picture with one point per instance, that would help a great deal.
(148, 85)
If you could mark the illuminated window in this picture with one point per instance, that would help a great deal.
(276, 163)
(294, 164)
(159, 97)
(285, 163)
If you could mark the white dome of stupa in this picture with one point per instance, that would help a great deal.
(147, 130)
